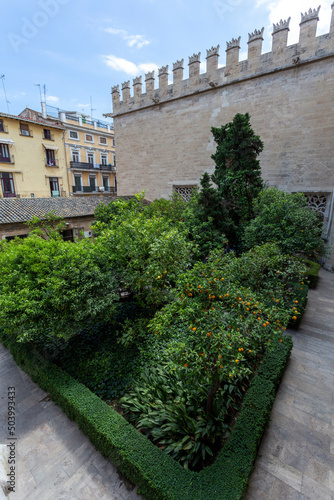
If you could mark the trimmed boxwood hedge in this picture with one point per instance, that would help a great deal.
(156, 473)
(312, 272)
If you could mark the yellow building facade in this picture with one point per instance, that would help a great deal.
(32, 158)
(90, 154)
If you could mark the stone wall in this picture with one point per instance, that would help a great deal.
(163, 138)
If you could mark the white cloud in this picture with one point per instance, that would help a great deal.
(120, 64)
(52, 98)
(283, 9)
(146, 67)
(128, 67)
(83, 105)
(137, 41)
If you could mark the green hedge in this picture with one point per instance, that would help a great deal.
(157, 474)
(312, 272)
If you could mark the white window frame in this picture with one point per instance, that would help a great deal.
(75, 152)
(74, 132)
(103, 143)
(105, 157)
(90, 153)
(92, 136)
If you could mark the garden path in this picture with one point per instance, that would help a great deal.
(296, 457)
(54, 459)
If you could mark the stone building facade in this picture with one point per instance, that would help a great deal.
(163, 136)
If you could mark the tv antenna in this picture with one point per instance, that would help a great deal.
(91, 108)
(4, 91)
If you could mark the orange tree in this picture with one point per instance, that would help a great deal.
(51, 288)
(218, 329)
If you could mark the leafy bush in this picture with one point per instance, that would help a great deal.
(216, 328)
(284, 219)
(172, 413)
(148, 254)
(54, 288)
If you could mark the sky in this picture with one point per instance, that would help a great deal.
(79, 49)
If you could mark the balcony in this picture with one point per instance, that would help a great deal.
(92, 166)
(91, 189)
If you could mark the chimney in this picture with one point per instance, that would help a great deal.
(44, 114)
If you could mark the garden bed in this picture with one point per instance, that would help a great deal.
(157, 474)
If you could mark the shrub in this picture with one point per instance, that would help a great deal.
(284, 219)
(51, 288)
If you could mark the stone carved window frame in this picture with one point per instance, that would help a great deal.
(320, 202)
(184, 191)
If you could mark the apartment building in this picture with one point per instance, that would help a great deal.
(90, 153)
(32, 158)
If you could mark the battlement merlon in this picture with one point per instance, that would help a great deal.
(308, 26)
(126, 91)
(137, 87)
(194, 65)
(232, 52)
(149, 83)
(163, 78)
(282, 57)
(178, 71)
(255, 40)
(212, 56)
(115, 93)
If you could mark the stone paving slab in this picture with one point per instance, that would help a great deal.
(54, 459)
(296, 456)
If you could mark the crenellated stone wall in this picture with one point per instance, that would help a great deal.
(163, 137)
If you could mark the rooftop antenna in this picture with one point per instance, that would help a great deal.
(4, 91)
(40, 92)
(44, 91)
(91, 108)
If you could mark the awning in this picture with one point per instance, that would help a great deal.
(6, 141)
(50, 146)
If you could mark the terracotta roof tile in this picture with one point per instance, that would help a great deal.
(22, 209)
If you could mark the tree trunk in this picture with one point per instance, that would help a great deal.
(211, 396)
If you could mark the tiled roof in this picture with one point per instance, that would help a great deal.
(23, 209)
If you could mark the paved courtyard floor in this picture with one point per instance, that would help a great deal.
(54, 459)
(296, 457)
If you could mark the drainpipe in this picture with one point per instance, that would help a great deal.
(67, 174)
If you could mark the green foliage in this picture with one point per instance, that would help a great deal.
(172, 413)
(216, 327)
(158, 475)
(54, 288)
(205, 219)
(48, 228)
(237, 173)
(148, 254)
(284, 219)
(96, 359)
